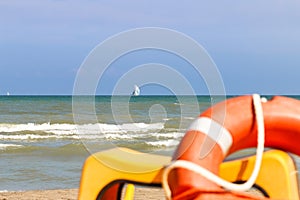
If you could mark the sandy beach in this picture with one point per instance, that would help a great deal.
(71, 194)
(67, 194)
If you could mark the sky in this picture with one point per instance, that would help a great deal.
(255, 44)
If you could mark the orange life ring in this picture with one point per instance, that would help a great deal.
(239, 131)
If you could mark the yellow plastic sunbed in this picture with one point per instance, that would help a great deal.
(105, 173)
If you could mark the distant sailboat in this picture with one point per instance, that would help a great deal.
(7, 94)
(136, 91)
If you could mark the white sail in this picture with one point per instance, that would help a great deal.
(136, 91)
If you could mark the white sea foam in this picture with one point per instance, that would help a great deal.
(5, 146)
(141, 127)
(33, 131)
(10, 128)
(35, 137)
(117, 136)
(178, 104)
(168, 135)
(191, 118)
(164, 143)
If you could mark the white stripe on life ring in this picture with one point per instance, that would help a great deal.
(214, 130)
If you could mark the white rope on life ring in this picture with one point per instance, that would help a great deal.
(257, 102)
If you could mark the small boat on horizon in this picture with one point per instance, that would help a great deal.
(136, 91)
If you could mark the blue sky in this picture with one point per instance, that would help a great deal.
(255, 44)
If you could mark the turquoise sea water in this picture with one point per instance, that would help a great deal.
(42, 145)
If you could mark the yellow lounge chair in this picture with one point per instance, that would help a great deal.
(105, 173)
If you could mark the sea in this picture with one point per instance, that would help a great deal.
(44, 140)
